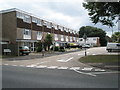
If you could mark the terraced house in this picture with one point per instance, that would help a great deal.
(20, 28)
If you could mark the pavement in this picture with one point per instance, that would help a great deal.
(62, 60)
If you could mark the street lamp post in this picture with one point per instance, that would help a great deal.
(85, 38)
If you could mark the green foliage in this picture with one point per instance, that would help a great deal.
(93, 32)
(57, 48)
(116, 37)
(99, 59)
(62, 50)
(48, 41)
(103, 12)
(39, 47)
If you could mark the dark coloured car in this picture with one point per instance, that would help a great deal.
(24, 50)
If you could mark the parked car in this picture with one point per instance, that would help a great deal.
(24, 50)
(113, 47)
(85, 46)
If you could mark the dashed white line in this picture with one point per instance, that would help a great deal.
(13, 65)
(99, 70)
(52, 67)
(22, 65)
(73, 68)
(62, 68)
(5, 64)
(87, 69)
(41, 66)
(31, 65)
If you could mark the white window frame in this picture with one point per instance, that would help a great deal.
(62, 37)
(27, 18)
(56, 37)
(27, 34)
(39, 35)
(20, 15)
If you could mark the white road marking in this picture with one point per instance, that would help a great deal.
(85, 73)
(31, 65)
(41, 66)
(99, 70)
(13, 65)
(52, 67)
(87, 69)
(62, 60)
(22, 65)
(5, 64)
(62, 68)
(74, 68)
(43, 62)
(106, 72)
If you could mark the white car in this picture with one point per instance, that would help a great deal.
(113, 47)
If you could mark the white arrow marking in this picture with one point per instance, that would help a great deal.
(61, 60)
(85, 73)
(87, 69)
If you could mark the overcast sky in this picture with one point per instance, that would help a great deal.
(69, 13)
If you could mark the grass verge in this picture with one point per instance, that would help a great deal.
(100, 59)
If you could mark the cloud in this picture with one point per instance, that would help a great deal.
(69, 13)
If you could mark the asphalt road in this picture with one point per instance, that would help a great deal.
(25, 77)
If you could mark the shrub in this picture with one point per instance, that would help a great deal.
(62, 50)
(57, 48)
(39, 47)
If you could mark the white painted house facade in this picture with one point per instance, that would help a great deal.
(92, 41)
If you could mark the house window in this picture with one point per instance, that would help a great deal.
(55, 26)
(20, 15)
(39, 33)
(62, 38)
(94, 39)
(61, 28)
(39, 22)
(67, 38)
(34, 19)
(56, 37)
(48, 24)
(27, 32)
(27, 19)
(71, 39)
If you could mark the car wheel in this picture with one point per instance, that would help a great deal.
(27, 53)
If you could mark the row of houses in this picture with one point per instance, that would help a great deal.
(20, 28)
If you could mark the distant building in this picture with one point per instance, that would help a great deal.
(92, 41)
(20, 28)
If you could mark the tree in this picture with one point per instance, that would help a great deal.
(93, 32)
(103, 12)
(116, 37)
(48, 41)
